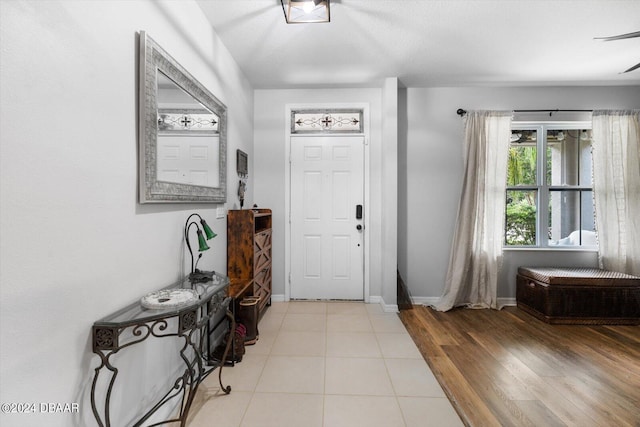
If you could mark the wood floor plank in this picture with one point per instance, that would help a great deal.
(486, 385)
(472, 409)
(508, 368)
(631, 332)
(512, 384)
(611, 349)
(539, 413)
(588, 400)
(417, 327)
(580, 349)
(554, 402)
(621, 342)
(600, 361)
(437, 325)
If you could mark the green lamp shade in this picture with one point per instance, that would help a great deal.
(207, 230)
(202, 243)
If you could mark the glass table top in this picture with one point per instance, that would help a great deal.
(135, 313)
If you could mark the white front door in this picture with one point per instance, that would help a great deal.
(327, 237)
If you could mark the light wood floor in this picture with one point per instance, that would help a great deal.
(506, 368)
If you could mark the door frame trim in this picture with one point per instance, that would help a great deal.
(287, 190)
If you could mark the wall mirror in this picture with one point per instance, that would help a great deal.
(182, 138)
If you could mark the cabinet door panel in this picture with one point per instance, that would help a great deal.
(262, 241)
(262, 287)
(261, 260)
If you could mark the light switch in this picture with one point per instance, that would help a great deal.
(220, 212)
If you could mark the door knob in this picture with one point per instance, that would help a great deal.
(359, 227)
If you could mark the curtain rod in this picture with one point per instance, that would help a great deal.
(462, 112)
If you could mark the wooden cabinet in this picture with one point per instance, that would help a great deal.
(249, 251)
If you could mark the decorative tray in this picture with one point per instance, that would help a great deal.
(169, 298)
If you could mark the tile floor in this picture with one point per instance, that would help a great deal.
(331, 364)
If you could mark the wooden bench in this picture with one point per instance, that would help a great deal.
(587, 296)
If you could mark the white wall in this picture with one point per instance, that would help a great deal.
(75, 244)
(270, 169)
(430, 168)
(389, 193)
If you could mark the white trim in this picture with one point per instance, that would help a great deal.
(278, 298)
(287, 190)
(425, 300)
(504, 302)
(551, 249)
(428, 301)
(374, 299)
(387, 308)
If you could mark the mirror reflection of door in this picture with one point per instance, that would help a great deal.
(188, 139)
(188, 160)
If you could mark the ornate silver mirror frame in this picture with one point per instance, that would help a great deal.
(154, 188)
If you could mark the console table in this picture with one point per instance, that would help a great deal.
(192, 323)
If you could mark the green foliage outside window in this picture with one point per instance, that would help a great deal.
(521, 169)
(521, 223)
(520, 227)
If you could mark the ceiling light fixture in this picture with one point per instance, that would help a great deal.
(305, 11)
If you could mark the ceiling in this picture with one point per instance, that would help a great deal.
(430, 43)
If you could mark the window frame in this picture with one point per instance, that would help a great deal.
(543, 188)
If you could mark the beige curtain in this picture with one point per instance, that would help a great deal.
(476, 254)
(616, 188)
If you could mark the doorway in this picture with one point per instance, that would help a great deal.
(327, 239)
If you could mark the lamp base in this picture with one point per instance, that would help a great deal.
(199, 276)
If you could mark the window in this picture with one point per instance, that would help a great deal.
(549, 192)
(333, 120)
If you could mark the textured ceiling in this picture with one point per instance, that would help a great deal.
(432, 42)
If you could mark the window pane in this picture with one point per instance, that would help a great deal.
(569, 157)
(520, 218)
(571, 220)
(521, 169)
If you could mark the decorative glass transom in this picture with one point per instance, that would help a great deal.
(192, 120)
(327, 121)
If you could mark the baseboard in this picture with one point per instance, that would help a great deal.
(387, 308)
(502, 302)
(424, 300)
(277, 298)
